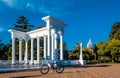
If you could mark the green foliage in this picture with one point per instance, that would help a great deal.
(109, 50)
(22, 24)
(74, 54)
(115, 31)
(114, 49)
(117, 35)
(1, 46)
(101, 48)
(87, 54)
(8, 52)
(2, 50)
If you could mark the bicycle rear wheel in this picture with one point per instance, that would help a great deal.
(59, 69)
(44, 69)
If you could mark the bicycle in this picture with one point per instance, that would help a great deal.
(56, 66)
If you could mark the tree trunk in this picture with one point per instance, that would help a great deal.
(112, 60)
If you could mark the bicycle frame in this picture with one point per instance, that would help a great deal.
(55, 66)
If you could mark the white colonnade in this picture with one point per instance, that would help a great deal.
(53, 49)
(49, 33)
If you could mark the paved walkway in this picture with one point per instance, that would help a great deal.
(88, 71)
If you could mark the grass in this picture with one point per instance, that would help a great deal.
(111, 63)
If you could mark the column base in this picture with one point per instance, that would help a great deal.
(20, 62)
(26, 63)
(31, 63)
(82, 62)
(48, 57)
(13, 62)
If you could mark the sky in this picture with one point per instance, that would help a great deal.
(84, 18)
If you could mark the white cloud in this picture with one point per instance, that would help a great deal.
(29, 5)
(54, 7)
(10, 3)
(1, 29)
(15, 4)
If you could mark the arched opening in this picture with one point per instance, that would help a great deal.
(35, 48)
(16, 49)
(29, 49)
(23, 49)
(41, 47)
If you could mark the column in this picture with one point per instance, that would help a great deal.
(26, 52)
(13, 50)
(32, 52)
(48, 45)
(38, 50)
(20, 51)
(52, 50)
(81, 58)
(61, 46)
(55, 50)
(55, 41)
(44, 47)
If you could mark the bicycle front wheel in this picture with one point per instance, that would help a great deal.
(59, 69)
(44, 69)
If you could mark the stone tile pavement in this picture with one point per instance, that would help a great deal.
(87, 71)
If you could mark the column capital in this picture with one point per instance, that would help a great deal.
(32, 39)
(60, 32)
(55, 36)
(80, 44)
(53, 30)
(38, 37)
(13, 37)
(20, 39)
(44, 35)
(26, 40)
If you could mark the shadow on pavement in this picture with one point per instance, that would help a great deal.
(86, 66)
(97, 65)
(32, 76)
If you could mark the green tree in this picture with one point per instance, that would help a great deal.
(75, 53)
(117, 35)
(22, 24)
(8, 52)
(103, 53)
(95, 52)
(114, 49)
(115, 31)
(87, 54)
(1, 50)
(101, 48)
(65, 51)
